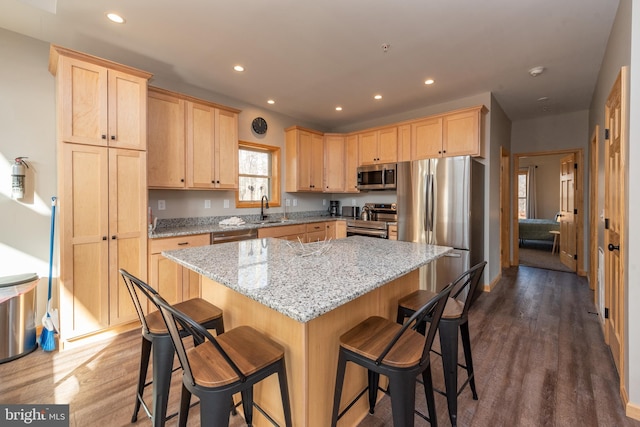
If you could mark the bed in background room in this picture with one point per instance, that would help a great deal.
(537, 229)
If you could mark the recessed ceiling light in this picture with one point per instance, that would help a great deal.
(536, 71)
(114, 17)
(338, 108)
(429, 81)
(377, 97)
(542, 99)
(271, 101)
(239, 68)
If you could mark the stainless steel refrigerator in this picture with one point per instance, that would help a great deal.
(441, 202)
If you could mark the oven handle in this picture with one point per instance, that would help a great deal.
(367, 232)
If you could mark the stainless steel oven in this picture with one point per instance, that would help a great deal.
(377, 224)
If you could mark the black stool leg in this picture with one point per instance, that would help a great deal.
(142, 377)
(428, 392)
(214, 410)
(449, 347)
(185, 402)
(162, 367)
(403, 399)
(284, 393)
(342, 364)
(374, 380)
(247, 405)
(466, 345)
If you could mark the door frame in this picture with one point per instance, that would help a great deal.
(579, 204)
(593, 213)
(505, 210)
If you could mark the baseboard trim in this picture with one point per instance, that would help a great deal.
(493, 284)
(632, 410)
(66, 344)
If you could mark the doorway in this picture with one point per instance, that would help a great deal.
(539, 232)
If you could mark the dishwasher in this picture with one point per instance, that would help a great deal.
(233, 236)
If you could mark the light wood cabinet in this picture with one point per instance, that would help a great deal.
(193, 144)
(166, 151)
(448, 135)
(289, 232)
(393, 232)
(102, 189)
(404, 143)
(311, 232)
(352, 162)
(334, 163)
(378, 146)
(341, 229)
(174, 282)
(99, 102)
(316, 232)
(304, 154)
(103, 204)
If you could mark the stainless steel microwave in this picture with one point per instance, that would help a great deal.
(377, 177)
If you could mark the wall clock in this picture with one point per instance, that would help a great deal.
(259, 125)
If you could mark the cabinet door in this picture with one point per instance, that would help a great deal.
(334, 163)
(316, 231)
(166, 277)
(127, 228)
(368, 146)
(331, 227)
(426, 139)
(341, 229)
(461, 134)
(83, 89)
(304, 160)
(226, 151)
(166, 141)
(127, 111)
(388, 145)
(317, 162)
(84, 260)
(200, 145)
(351, 164)
(404, 143)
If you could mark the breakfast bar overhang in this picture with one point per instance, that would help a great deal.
(305, 300)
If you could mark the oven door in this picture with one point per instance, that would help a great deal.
(363, 231)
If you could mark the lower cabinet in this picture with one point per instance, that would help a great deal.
(393, 232)
(288, 232)
(174, 282)
(305, 233)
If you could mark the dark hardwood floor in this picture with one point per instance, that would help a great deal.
(539, 358)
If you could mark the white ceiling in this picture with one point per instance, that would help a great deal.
(310, 56)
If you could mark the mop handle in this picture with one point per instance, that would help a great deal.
(53, 222)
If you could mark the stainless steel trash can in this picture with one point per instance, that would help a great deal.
(17, 316)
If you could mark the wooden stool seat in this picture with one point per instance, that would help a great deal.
(248, 348)
(198, 309)
(417, 299)
(370, 338)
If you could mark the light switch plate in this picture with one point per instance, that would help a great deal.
(295, 202)
(161, 205)
(225, 204)
(207, 204)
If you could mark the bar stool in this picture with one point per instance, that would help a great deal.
(396, 351)
(454, 317)
(217, 368)
(156, 337)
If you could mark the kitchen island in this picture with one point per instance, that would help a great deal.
(305, 301)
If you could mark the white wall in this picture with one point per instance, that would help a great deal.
(547, 183)
(27, 120)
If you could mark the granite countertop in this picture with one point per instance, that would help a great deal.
(272, 272)
(188, 229)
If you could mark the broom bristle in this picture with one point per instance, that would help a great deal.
(47, 340)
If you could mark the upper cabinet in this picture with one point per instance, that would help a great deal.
(304, 155)
(103, 103)
(193, 144)
(334, 163)
(378, 146)
(352, 161)
(447, 135)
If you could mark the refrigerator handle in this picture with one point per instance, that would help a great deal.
(429, 200)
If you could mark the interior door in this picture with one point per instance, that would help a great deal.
(568, 253)
(614, 202)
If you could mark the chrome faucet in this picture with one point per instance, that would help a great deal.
(262, 206)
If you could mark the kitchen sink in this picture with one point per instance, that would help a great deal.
(272, 221)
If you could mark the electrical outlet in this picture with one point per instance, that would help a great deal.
(225, 204)
(324, 202)
(161, 205)
(295, 202)
(207, 204)
(353, 202)
(288, 202)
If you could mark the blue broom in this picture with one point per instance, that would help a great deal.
(50, 320)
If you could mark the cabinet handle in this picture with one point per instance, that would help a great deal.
(183, 243)
(104, 136)
(613, 247)
(113, 137)
(104, 237)
(113, 237)
(213, 182)
(182, 180)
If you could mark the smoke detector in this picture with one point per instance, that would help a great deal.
(385, 47)
(536, 71)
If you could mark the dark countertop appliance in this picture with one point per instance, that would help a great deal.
(377, 224)
(334, 207)
(377, 177)
(351, 212)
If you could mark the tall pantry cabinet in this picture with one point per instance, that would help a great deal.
(102, 189)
